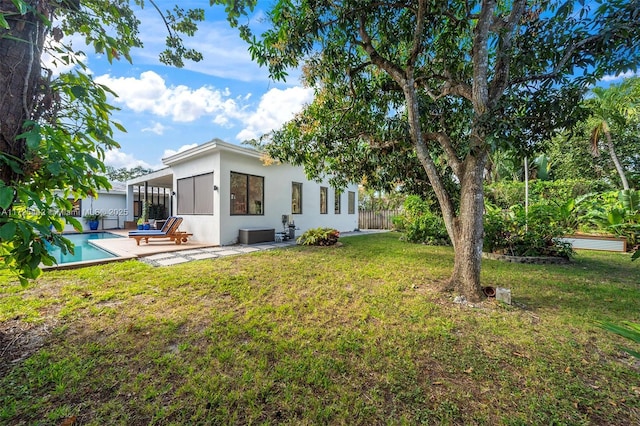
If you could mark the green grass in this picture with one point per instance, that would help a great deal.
(358, 334)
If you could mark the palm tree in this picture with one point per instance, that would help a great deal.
(610, 106)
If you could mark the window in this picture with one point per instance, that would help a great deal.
(352, 202)
(76, 208)
(247, 194)
(296, 198)
(324, 200)
(337, 205)
(195, 194)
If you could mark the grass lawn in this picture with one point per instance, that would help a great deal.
(357, 334)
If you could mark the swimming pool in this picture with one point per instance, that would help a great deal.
(84, 250)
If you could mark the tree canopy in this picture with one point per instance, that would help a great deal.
(402, 85)
(55, 129)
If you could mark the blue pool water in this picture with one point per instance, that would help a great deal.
(84, 250)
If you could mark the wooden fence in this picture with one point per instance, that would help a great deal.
(376, 219)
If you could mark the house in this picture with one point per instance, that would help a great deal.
(221, 188)
(112, 204)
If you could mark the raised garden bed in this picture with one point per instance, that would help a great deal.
(596, 242)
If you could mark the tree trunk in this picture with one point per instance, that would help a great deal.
(469, 230)
(614, 157)
(20, 76)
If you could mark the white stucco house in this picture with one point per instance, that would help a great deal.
(220, 188)
(112, 204)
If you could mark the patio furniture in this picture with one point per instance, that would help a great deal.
(165, 227)
(172, 233)
(256, 235)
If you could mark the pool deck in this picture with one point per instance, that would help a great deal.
(127, 247)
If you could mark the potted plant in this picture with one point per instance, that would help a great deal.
(93, 220)
(143, 221)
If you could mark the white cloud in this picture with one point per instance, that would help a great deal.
(118, 159)
(156, 128)
(149, 93)
(170, 152)
(609, 78)
(51, 60)
(276, 107)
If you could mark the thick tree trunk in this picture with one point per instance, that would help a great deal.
(614, 157)
(20, 74)
(469, 230)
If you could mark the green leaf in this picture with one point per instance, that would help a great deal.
(8, 231)
(21, 5)
(33, 139)
(3, 22)
(6, 197)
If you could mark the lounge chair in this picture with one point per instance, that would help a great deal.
(164, 228)
(171, 232)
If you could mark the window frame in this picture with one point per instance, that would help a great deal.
(247, 196)
(188, 185)
(351, 202)
(324, 200)
(337, 201)
(293, 191)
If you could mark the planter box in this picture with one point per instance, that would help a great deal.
(595, 242)
(257, 235)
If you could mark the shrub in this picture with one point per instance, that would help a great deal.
(420, 224)
(319, 237)
(513, 232)
(615, 212)
(508, 193)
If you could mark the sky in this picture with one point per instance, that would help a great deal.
(227, 96)
(166, 110)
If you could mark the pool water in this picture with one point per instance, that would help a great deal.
(84, 250)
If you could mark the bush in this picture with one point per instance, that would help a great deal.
(420, 224)
(508, 193)
(319, 237)
(614, 212)
(514, 233)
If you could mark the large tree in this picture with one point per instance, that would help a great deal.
(452, 79)
(54, 129)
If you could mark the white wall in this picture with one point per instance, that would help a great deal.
(222, 228)
(112, 205)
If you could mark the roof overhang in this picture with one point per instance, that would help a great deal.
(214, 145)
(162, 178)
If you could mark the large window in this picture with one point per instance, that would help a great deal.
(247, 194)
(324, 200)
(195, 194)
(352, 202)
(337, 205)
(296, 198)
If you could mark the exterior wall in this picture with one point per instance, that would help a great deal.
(112, 204)
(222, 228)
(205, 228)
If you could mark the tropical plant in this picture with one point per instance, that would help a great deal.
(319, 237)
(56, 127)
(608, 106)
(617, 213)
(420, 224)
(516, 232)
(628, 330)
(432, 85)
(92, 217)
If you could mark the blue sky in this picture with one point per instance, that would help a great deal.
(165, 109)
(225, 96)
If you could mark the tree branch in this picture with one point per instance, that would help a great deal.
(445, 142)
